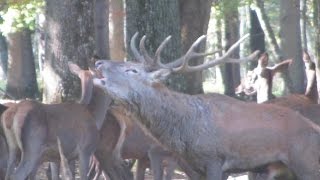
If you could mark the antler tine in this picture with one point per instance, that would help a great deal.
(223, 59)
(144, 52)
(189, 55)
(134, 50)
(159, 50)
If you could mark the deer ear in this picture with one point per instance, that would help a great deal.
(74, 68)
(280, 67)
(263, 60)
(160, 75)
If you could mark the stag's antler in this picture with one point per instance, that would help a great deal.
(182, 64)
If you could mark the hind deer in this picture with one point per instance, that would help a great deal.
(260, 80)
(214, 133)
(32, 128)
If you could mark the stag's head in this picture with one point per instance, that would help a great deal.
(124, 80)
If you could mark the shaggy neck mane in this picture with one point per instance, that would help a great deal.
(168, 115)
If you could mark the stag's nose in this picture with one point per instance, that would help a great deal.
(98, 64)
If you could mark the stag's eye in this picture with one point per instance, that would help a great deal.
(131, 71)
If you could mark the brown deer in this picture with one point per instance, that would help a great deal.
(32, 128)
(214, 133)
(260, 81)
(136, 144)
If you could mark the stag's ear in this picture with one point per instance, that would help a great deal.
(159, 75)
(74, 68)
(281, 67)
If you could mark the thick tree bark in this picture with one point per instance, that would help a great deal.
(194, 19)
(291, 42)
(21, 81)
(117, 48)
(157, 20)
(256, 37)
(231, 76)
(101, 25)
(3, 56)
(70, 37)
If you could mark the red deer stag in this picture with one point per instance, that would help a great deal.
(216, 134)
(136, 144)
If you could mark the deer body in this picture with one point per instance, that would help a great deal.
(215, 134)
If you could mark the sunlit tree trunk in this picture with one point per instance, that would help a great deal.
(70, 37)
(316, 20)
(291, 42)
(117, 49)
(21, 82)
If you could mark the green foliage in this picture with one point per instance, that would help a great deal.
(226, 6)
(20, 14)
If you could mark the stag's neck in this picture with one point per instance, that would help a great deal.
(98, 105)
(170, 117)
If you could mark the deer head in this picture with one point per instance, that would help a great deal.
(123, 80)
(260, 79)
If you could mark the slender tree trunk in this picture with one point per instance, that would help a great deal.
(22, 81)
(117, 49)
(231, 76)
(304, 24)
(316, 20)
(291, 42)
(194, 19)
(101, 25)
(3, 56)
(256, 37)
(70, 37)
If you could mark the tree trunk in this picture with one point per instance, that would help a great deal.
(117, 49)
(70, 37)
(231, 76)
(256, 37)
(101, 25)
(316, 20)
(3, 57)
(157, 20)
(22, 81)
(291, 42)
(304, 24)
(194, 19)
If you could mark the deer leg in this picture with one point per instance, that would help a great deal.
(13, 151)
(171, 166)
(118, 147)
(54, 169)
(214, 171)
(141, 168)
(156, 158)
(29, 161)
(84, 160)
